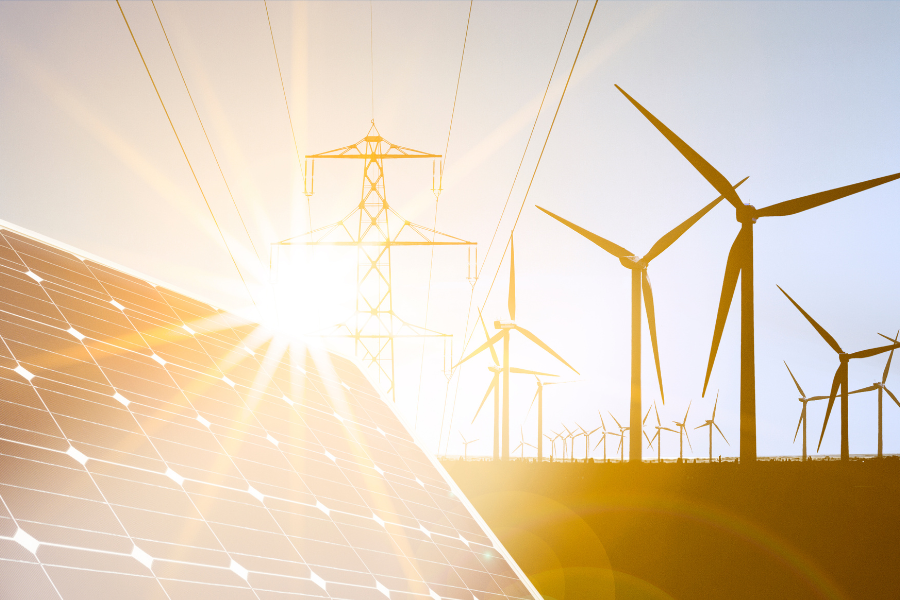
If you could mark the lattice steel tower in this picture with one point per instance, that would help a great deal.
(374, 326)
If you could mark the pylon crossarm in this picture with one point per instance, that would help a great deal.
(361, 150)
(421, 231)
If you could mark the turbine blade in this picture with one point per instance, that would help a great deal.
(688, 439)
(488, 344)
(874, 351)
(668, 429)
(893, 397)
(887, 367)
(684, 422)
(488, 336)
(527, 372)
(715, 405)
(722, 434)
(800, 422)
(658, 422)
(616, 420)
(825, 335)
(536, 392)
(646, 437)
(535, 339)
(729, 283)
(667, 240)
(614, 249)
(799, 389)
(797, 205)
(512, 279)
(651, 323)
(716, 179)
(494, 382)
(834, 388)
(644, 421)
(865, 389)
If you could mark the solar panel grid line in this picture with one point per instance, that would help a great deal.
(253, 392)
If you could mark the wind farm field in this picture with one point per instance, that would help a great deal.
(773, 529)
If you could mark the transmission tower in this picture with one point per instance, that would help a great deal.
(374, 228)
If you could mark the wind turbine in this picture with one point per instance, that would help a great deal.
(522, 443)
(603, 437)
(507, 327)
(587, 440)
(712, 423)
(658, 434)
(683, 430)
(804, 400)
(466, 446)
(740, 262)
(539, 396)
(640, 284)
(841, 377)
(574, 435)
(552, 443)
(622, 431)
(495, 387)
(880, 386)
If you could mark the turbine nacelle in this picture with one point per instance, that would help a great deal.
(746, 213)
(505, 324)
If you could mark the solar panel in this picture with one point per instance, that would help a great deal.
(154, 446)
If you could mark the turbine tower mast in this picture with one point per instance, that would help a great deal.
(374, 326)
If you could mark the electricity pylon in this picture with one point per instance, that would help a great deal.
(374, 326)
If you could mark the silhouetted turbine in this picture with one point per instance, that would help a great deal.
(658, 434)
(466, 446)
(522, 443)
(803, 418)
(506, 327)
(587, 440)
(740, 262)
(840, 379)
(683, 430)
(539, 396)
(622, 431)
(712, 423)
(640, 284)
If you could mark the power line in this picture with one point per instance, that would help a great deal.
(434, 228)
(287, 106)
(196, 112)
(497, 228)
(534, 173)
(180, 145)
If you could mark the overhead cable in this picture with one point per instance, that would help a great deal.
(434, 228)
(190, 166)
(196, 112)
(531, 181)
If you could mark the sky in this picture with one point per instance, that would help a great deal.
(801, 97)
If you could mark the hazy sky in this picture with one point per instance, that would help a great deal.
(802, 97)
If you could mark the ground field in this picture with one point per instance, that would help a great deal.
(770, 530)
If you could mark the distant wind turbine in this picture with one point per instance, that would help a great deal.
(712, 423)
(658, 435)
(523, 443)
(539, 396)
(841, 377)
(587, 440)
(466, 446)
(640, 283)
(507, 327)
(740, 262)
(622, 431)
(803, 399)
(682, 430)
(495, 387)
